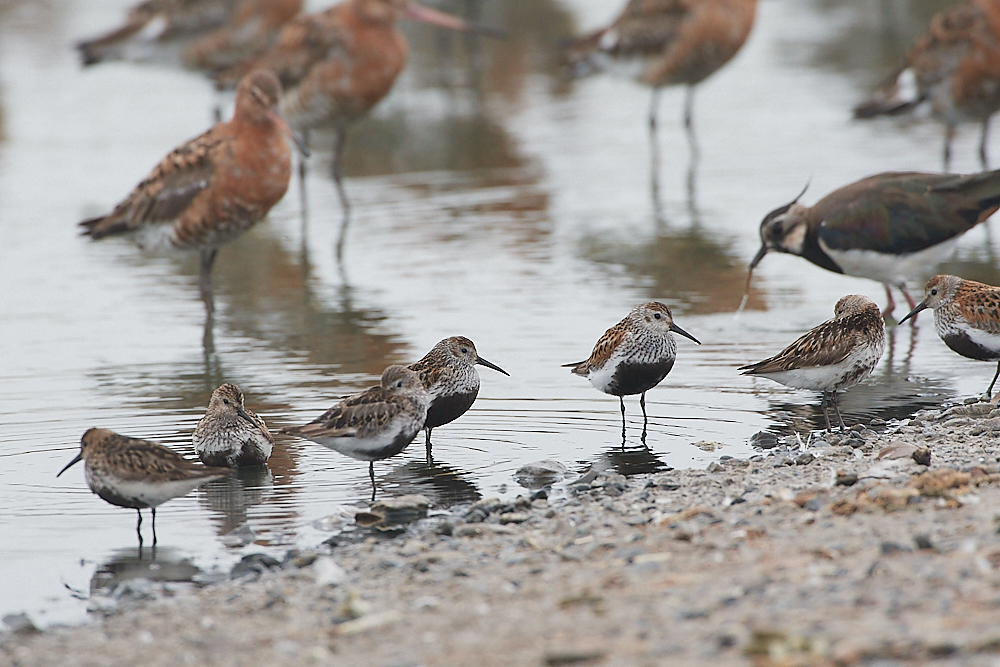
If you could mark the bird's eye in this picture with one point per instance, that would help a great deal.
(658, 316)
(933, 292)
(465, 350)
(226, 401)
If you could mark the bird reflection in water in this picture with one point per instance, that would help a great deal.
(229, 498)
(442, 484)
(163, 565)
(632, 460)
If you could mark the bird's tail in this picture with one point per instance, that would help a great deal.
(983, 188)
(105, 225)
(107, 47)
(896, 95)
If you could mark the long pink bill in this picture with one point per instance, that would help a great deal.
(417, 12)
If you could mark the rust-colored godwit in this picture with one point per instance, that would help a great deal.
(337, 64)
(214, 187)
(663, 43)
(954, 67)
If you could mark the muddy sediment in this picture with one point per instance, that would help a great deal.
(837, 549)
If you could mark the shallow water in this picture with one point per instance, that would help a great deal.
(491, 200)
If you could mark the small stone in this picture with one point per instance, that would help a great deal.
(846, 478)
(475, 516)
(804, 459)
(540, 473)
(764, 440)
(922, 456)
(896, 450)
(922, 542)
(327, 572)
(540, 494)
(20, 624)
(487, 505)
(404, 509)
(468, 530)
(891, 548)
(253, 565)
(239, 536)
(714, 467)
(514, 517)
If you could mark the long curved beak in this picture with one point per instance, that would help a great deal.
(243, 413)
(282, 124)
(483, 362)
(417, 12)
(759, 256)
(677, 329)
(79, 457)
(920, 306)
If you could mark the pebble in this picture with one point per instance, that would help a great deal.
(540, 473)
(764, 440)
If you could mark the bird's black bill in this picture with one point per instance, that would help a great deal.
(483, 362)
(759, 256)
(79, 457)
(678, 330)
(920, 306)
(243, 413)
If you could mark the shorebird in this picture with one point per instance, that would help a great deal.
(835, 355)
(633, 356)
(376, 424)
(966, 317)
(337, 64)
(888, 227)
(254, 28)
(229, 435)
(157, 30)
(212, 188)
(663, 43)
(134, 473)
(449, 375)
(954, 68)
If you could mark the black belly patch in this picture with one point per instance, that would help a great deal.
(120, 500)
(446, 409)
(964, 345)
(636, 378)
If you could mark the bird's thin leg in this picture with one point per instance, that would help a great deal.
(989, 392)
(826, 414)
(430, 459)
(906, 295)
(303, 168)
(949, 136)
(695, 150)
(138, 529)
(338, 173)
(205, 278)
(836, 408)
(621, 400)
(891, 303)
(371, 476)
(645, 419)
(654, 153)
(983, 160)
(154, 526)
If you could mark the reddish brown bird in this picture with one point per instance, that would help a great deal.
(337, 64)
(954, 68)
(214, 187)
(667, 43)
(254, 28)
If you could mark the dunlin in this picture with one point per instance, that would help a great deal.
(134, 473)
(337, 64)
(835, 355)
(667, 43)
(376, 424)
(888, 227)
(448, 373)
(214, 187)
(229, 435)
(633, 356)
(157, 30)
(966, 317)
(954, 68)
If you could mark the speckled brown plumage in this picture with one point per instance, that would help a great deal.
(954, 66)
(229, 434)
(253, 29)
(214, 187)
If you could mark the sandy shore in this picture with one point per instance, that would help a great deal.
(840, 551)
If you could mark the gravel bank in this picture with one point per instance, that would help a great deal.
(840, 551)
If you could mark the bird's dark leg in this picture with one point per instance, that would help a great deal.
(826, 414)
(338, 173)
(654, 153)
(205, 278)
(303, 168)
(371, 476)
(695, 151)
(153, 509)
(621, 399)
(989, 392)
(836, 408)
(982, 144)
(138, 529)
(645, 419)
(430, 459)
(949, 136)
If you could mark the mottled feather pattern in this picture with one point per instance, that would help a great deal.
(133, 459)
(604, 349)
(359, 415)
(978, 304)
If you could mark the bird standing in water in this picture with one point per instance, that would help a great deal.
(212, 188)
(229, 435)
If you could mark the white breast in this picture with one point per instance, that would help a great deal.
(887, 268)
